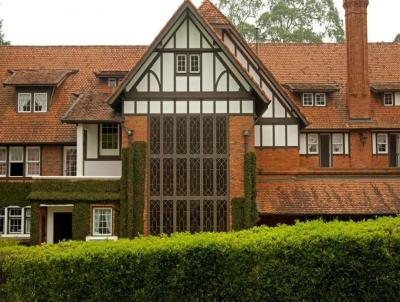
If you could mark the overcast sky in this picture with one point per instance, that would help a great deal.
(82, 22)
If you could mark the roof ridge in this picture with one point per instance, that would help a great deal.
(73, 46)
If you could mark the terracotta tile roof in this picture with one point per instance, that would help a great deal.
(326, 63)
(330, 196)
(212, 14)
(111, 73)
(47, 127)
(34, 77)
(313, 87)
(385, 87)
(90, 107)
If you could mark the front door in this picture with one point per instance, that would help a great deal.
(325, 150)
(188, 175)
(62, 227)
(394, 150)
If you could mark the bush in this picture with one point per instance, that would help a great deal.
(6, 242)
(315, 261)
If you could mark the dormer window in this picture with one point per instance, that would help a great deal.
(32, 102)
(112, 82)
(388, 99)
(320, 99)
(24, 102)
(308, 99)
(40, 102)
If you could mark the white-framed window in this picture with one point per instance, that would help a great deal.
(14, 220)
(320, 99)
(69, 161)
(312, 142)
(33, 161)
(382, 143)
(102, 221)
(181, 63)
(3, 161)
(24, 102)
(388, 99)
(16, 162)
(27, 223)
(194, 63)
(109, 139)
(112, 82)
(40, 102)
(337, 143)
(2, 220)
(308, 99)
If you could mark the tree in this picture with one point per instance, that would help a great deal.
(286, 20)
(2, 37)
(397, 39)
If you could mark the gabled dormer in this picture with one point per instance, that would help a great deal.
(389, 93)
(34, 88)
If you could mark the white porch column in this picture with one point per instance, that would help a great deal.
(79, 150)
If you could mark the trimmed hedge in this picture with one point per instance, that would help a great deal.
(315, 261)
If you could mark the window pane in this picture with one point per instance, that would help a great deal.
(109, 136)
(181, 64)
(320, 99)
(16, 154)
(307, 99)
(388, 99)
(14, 220)
(70, 162)
(33, 154)
(40, 102)
(24, 102)
(102, 221)
(194, 63)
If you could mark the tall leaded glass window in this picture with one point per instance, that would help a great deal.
(188, 173)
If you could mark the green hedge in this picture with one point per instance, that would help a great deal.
(14, 193)
(337, 261)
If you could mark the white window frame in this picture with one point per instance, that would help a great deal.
(109, 152)
(307, 94)
(198, 63)
(391, 99)
(21, 217)
(112, 80)
(34, 102)
(309, 136)
(19, 109)
(27, 220)
(27, 161)
(323, 95)
(339, 142)
(178, 66)
(67, 148)
(4, 162)
(385, 143)
(10, 161)
(94, 232)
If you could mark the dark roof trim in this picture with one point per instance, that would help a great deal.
(111, 74)
(312, 87)
(56, 82)
(385, 87)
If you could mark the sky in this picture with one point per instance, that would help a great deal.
(130, 22)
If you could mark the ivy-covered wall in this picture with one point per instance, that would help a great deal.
(14, 193)
(132, 185)
(244, 209)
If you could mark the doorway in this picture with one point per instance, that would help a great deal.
(325, 150)
(394, 150)
(62, 227)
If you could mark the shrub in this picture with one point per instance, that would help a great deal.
(314, 261)
(6, 242)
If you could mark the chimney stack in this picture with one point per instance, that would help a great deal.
(358, 91)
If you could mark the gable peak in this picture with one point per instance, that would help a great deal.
(210, 12)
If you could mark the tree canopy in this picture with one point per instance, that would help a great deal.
(397, 39)
(2, 36)
(312, 21)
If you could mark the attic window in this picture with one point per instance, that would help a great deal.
(308, 99)
(388, 99)
(40, 102)
(112, 82)
(320, 99)
(24, 102)
(181, 64)
(26, 105)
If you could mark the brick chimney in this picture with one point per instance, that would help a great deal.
(358, 91)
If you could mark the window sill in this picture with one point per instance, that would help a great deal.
(27, 236)
(101, 238)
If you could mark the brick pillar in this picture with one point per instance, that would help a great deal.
(358, 90)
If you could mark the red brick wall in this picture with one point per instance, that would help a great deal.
(52, 158)
(139, 126)
(276, 160)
